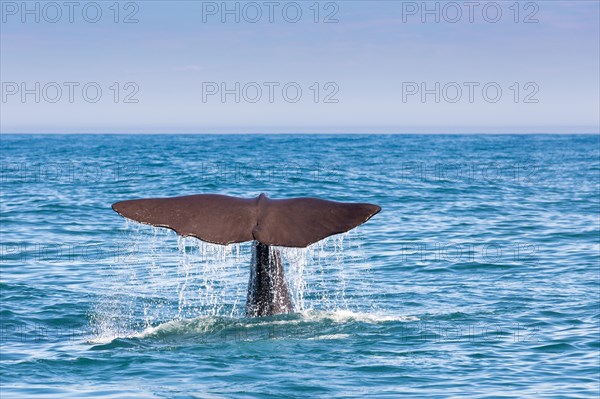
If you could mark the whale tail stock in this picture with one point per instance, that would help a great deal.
(268, 292)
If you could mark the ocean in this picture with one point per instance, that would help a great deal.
(480, 277)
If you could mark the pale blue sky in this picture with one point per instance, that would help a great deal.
(374, 50)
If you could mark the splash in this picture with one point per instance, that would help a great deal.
(318, 274)
(163, 278)
(310, 325)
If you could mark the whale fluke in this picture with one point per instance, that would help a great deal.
(221, 219)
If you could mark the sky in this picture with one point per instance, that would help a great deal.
(300, 67)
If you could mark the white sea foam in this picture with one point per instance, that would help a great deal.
(214, 324)
(345, 316)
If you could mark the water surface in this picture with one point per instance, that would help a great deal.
(480, 277)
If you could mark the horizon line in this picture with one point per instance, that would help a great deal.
(303, 133)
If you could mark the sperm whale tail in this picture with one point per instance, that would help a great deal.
(220, 219)
(268, 292)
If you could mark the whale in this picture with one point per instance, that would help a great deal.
(268, 223)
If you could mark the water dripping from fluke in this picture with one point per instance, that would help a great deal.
(215, 233)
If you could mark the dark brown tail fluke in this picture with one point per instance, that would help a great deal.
(220, 219)
(295, 222)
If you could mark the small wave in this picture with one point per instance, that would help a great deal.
(174, 327)
(344, 316)
(556, 347)
(209, 325)
(331, 336)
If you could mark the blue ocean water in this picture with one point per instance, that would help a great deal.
(479, 278)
